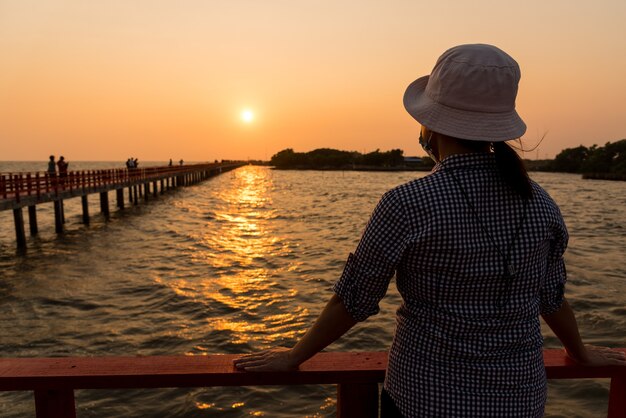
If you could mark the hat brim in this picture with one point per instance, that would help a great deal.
(458, 123)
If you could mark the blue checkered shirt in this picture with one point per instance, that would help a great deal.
(457, 350)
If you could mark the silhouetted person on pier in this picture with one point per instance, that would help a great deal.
(52, 168)
(181, 161)
(170, 164)
(62, 164)
(476, 248)
(52, 171)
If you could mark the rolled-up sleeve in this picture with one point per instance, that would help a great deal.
(553, 290)
(369, 269)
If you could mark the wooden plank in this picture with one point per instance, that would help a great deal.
(217, 370)
(559, 366)
(181, 371)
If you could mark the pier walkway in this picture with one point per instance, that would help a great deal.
(19, 190)
(357, 376)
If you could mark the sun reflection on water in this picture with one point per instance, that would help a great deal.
(242, 288)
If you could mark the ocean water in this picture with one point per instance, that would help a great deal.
(245, 261)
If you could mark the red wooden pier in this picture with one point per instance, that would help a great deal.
(19, 190)
(357, 375)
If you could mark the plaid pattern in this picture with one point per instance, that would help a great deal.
(457, 351)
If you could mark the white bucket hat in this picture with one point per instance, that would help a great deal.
(470, 94)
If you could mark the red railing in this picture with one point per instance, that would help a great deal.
(16, 185)
(356, 375)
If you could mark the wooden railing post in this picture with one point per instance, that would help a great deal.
(55, 403)
(3, 187)
(16, 187)
(29, 185)
(617, 398)
(357, 400)
(38, 183)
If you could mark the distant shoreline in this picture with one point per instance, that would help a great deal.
(586, 176)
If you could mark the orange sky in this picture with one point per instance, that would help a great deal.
(103, 80)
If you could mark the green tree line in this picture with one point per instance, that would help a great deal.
(609, 159)
(326, 158)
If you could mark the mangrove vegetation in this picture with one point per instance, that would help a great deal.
(603, 162)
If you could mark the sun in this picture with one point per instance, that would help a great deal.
(247, 115)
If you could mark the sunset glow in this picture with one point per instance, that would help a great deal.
(104, 80)
(247, 116)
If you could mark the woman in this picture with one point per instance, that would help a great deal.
(477, 250)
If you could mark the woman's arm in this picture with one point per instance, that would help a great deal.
(333, 322)
(563, 324)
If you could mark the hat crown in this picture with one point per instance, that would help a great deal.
(477, 77)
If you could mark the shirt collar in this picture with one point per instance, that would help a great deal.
(467, 161)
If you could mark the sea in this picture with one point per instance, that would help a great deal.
(245, 261)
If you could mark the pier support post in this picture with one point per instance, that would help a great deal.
(155, 191)
(357, 400)
(32, 219)
(135, 197)
(55, 403)
(20, 236)
(85, 203)
(130, 194)
(162, 188)
(617, 397)
(104, 204)
(146, 190)
(120, 198)
(58, 216)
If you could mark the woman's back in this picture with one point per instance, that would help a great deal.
(466, 327)
(465, 229)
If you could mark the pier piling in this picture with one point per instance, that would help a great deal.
(20, 236)
(58, 216)
(119, 193)
(85, 205)
(55, 403)
(104, 204)
(32, 219)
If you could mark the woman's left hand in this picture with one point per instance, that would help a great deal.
(274, 360)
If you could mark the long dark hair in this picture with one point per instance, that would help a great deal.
(512, 169)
